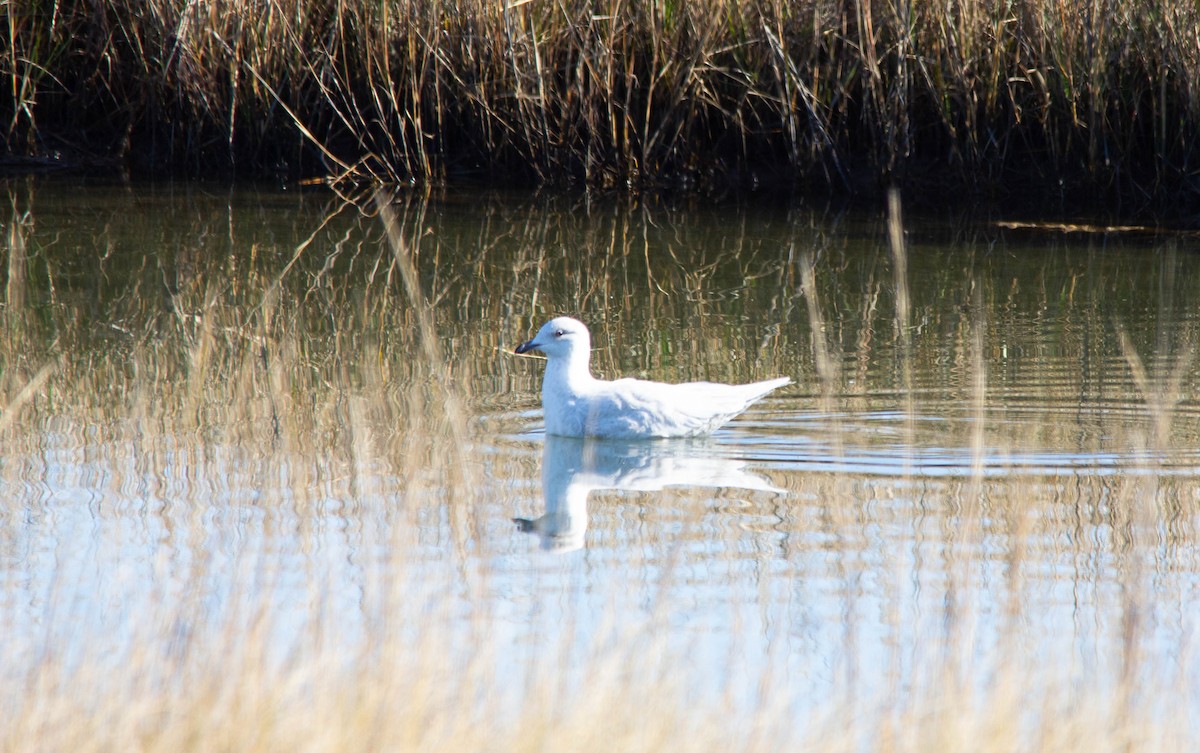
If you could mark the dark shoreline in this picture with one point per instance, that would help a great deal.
(1020, 200)
(1065, 108)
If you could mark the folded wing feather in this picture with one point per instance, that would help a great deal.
(637, 408)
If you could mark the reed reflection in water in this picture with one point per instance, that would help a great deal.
(262, 452)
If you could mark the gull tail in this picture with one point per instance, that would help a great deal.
(760, 389)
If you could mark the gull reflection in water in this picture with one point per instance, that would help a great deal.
(572, 468)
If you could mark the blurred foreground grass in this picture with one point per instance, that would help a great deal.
(314, 393)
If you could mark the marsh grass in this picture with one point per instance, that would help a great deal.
(297, 426)
(1054, 96)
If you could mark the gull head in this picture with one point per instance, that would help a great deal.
(561, 337)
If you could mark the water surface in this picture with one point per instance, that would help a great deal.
(225, 408)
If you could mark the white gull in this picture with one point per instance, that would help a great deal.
(576, 404)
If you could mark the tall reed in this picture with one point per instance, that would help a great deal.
(1054, 95)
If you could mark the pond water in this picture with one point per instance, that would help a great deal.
(248, 411)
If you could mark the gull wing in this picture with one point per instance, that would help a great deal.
(637, 408)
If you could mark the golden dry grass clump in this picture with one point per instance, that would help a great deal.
(1050, 94)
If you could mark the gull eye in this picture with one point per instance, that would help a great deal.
(559, 333)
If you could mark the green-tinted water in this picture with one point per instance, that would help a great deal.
(224, 408)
